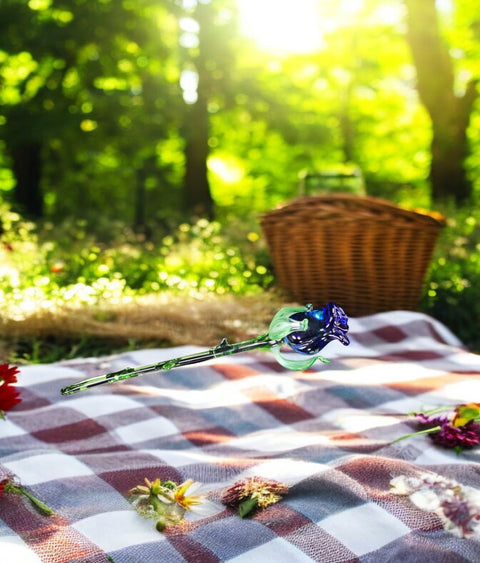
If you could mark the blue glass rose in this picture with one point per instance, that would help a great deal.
(323, 326)
(304, 329)
(307, 331)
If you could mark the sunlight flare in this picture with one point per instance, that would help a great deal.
(299, 26)
(291, 26)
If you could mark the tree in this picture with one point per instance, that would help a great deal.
(93, 121)
(450, 111)
(82, 86)
(208, 60)
(197, 196)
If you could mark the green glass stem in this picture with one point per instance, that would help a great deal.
(222, 349)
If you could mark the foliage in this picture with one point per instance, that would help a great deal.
(105, 104)
(453, 286)
(83, 86)
(46, 268)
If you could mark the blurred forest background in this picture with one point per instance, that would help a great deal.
(141, 139)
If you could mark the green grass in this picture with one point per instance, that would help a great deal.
(35, 350)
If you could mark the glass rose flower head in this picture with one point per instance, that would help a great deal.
(307, 331)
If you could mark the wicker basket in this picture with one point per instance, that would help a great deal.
(363, 253)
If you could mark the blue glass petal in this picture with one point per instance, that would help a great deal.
(323, 326)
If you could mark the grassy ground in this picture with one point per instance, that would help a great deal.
(147, 322)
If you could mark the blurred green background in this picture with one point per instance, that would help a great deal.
(140, 140)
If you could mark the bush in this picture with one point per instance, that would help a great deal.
(67, 264)
(453, 286)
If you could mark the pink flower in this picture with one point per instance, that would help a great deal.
(449, 436)
(457, 428)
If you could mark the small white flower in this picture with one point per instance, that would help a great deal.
(472, 495)
(426, 499)
(457, 505)
(195, 502)
(403, 485)
(204, 510)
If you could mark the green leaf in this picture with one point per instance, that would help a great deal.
(247, 506)
(466, 414)
(41, 506)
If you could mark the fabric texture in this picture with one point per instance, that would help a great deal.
(326, 432)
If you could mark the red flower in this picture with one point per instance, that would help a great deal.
(9, 395)
(8, 374)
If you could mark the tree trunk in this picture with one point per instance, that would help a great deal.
(197, 122)
(197, 197)
(449, 149)
(449, 112)
(27, 167)
(347, 126)
(140, 200)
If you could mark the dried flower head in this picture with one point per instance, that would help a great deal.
(253, 492)
(457, 505)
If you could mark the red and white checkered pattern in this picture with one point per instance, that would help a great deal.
(326, 432)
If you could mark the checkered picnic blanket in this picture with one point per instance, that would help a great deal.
(326, 432)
